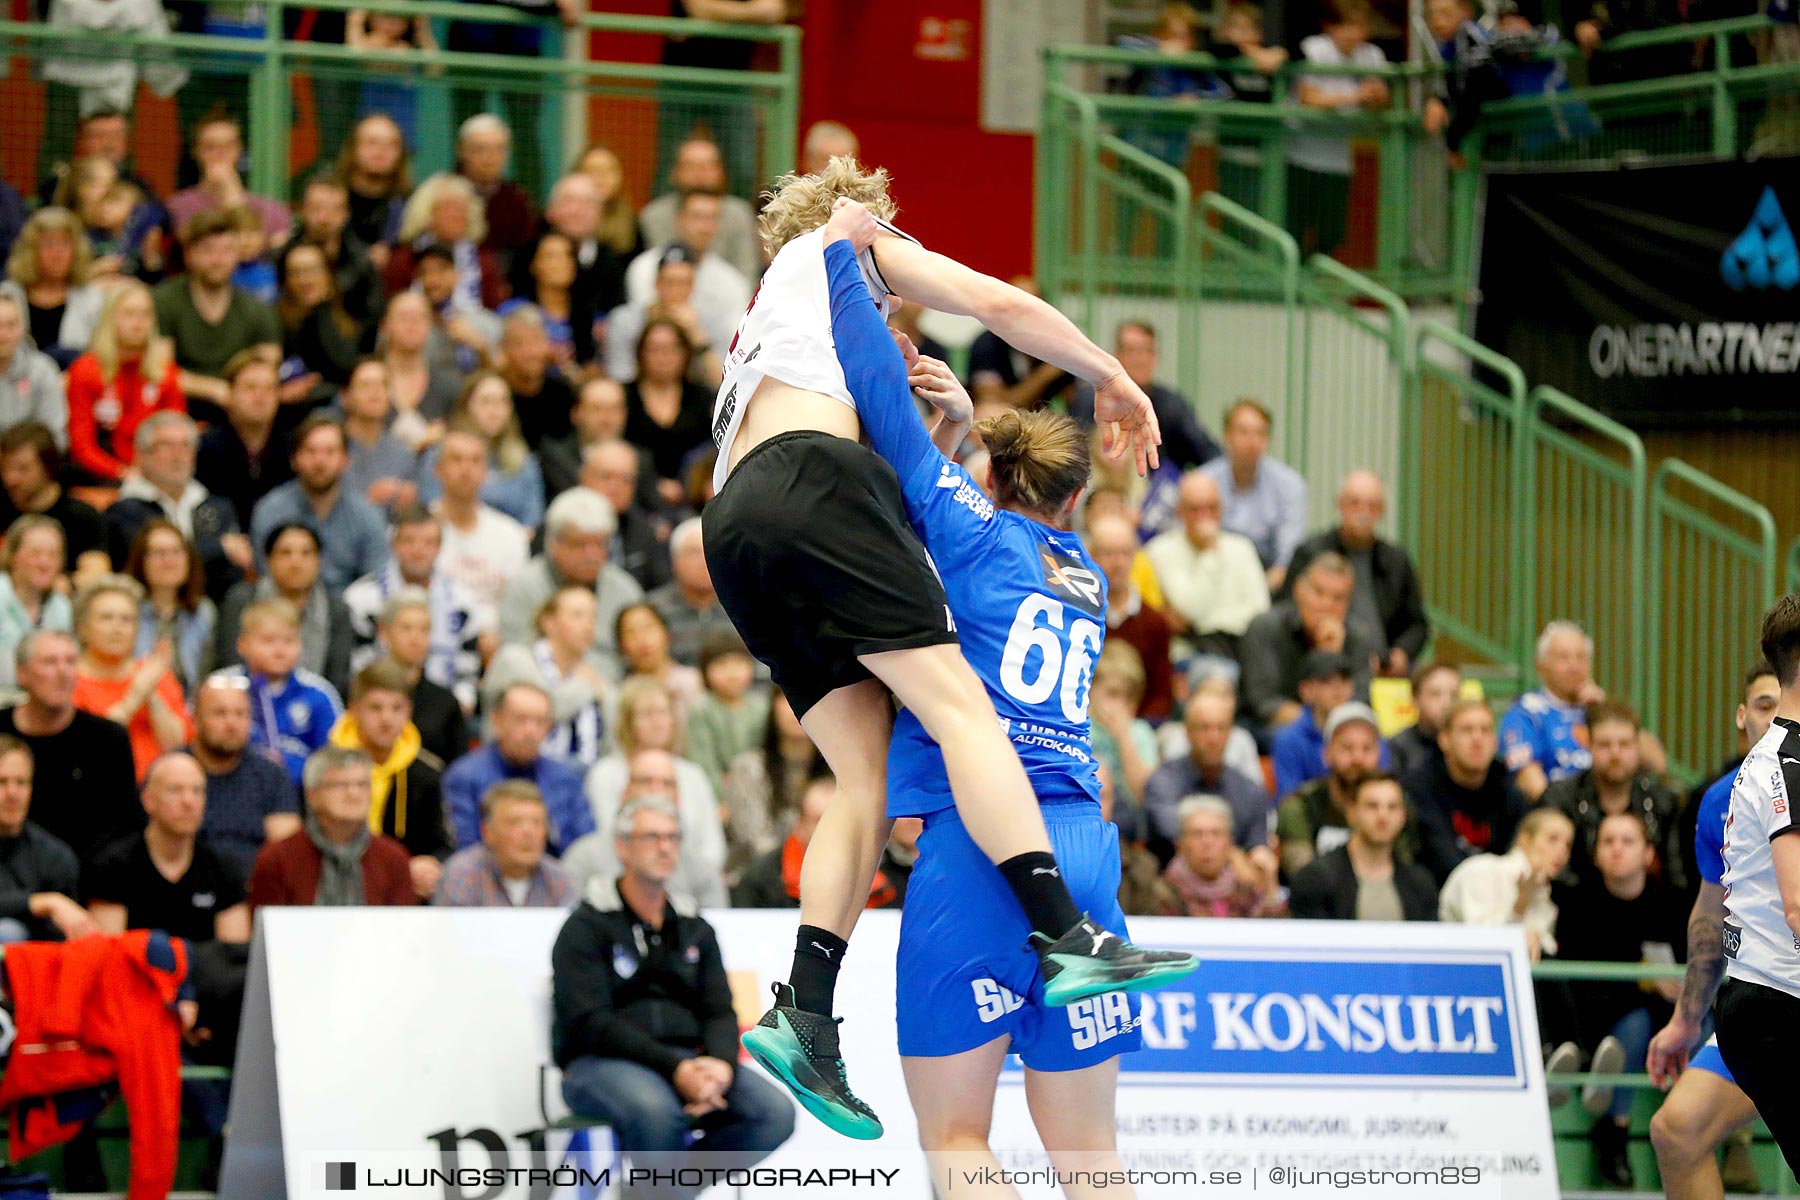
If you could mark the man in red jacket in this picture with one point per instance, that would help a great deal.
(335, 860)
(90, 1016)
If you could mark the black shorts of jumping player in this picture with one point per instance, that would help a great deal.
(814, 562)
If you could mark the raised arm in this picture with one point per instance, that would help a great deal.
(1028, 323)
(873, 369)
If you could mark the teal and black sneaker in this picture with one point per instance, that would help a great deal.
(1089, 961)
(800, 1049)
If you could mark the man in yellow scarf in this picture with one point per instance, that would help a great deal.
(408, 802)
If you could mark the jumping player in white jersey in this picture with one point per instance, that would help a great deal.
(1758, 1009)
(812, 557)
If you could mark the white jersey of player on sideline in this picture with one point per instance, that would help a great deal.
(785, 334)
(1759, 946)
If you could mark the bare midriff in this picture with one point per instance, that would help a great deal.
(776, 408)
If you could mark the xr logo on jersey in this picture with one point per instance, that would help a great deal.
(1068, 579)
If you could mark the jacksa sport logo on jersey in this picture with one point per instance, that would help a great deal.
(1070, 581)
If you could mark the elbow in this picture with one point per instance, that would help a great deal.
(1001, 306)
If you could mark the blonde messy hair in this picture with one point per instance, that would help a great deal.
(799, 204)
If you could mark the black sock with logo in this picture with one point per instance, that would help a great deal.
(1038, 883)
(818, 953)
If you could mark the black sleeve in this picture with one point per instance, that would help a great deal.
(759, 888)
(118, 811)
(1309, 895)
(718, 1019)
(103, 880)
(1304, 553)
(988, 353)
(225, 633)
(226, 885)
(1408, 627)
(1438, 852)
(338, 646)
(123, 520)
(456, 729)
(1260, 687)
(1422, 890)
(1185, 442)
(83, 529)
(581, 989)
(1506, 828)
(426, 832)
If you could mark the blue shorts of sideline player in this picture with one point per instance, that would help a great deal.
(965, 975)
(1708, 1058)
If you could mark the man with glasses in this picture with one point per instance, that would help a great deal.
(697, 881)
(643, 1026)
(334, 860)
(161, 483)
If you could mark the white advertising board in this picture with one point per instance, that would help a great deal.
(386, 1036)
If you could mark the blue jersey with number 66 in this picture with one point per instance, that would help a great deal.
(1027, 602)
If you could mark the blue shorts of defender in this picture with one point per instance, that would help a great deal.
(1708, 1058)
(964, 975)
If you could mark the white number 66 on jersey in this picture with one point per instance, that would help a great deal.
(1073, 669)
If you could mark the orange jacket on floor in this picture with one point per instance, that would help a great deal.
(90, 1013)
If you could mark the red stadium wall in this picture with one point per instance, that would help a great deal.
(913, 96)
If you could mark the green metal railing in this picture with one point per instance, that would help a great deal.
(1520, 505)
(1418, 238)
(262, 81)
(1722, 110)
(1588, 492)
(1241, 150)
(1245, 322)
(1710, 576)
(1474, 542)
(1357, 369)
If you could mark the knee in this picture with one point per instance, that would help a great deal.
(953, 1137)
(642, 1107)
(1677, 1135)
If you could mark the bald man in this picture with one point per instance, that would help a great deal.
(165, 878)
(1386, 601)
(826, 140)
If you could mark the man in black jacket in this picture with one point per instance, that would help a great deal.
(1386, 600)
(643, 1026)
(1619, 782)
(1362, 880)
(1465, 802)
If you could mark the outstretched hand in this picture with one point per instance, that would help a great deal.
(1126, 419)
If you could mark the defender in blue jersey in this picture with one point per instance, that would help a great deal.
(1705, 1106)
(1029, 606)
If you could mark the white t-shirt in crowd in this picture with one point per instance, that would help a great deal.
(482, 559)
